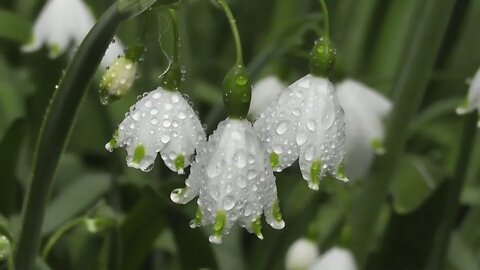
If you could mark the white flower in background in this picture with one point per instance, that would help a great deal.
(234, 182)
(263, 92)
(305, 121)
(162, 121)
(63, 23)
(301, 254)
(472, 101)
(365, 112)
(335, 259)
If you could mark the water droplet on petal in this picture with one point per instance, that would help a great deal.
(282, 127)
(228, 202)
(240, 158)
(301, 138)
(311, 125)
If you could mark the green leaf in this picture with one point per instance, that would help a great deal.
(74, 199)
(416, 179)
(14, 27)
(145, 217)
(9, 154)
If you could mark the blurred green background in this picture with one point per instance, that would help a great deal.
(149, 231)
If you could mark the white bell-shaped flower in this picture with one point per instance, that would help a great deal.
(301, 254)
(234, 182)
(305, 121)
(161, 121)
(365, 113)
(263, 92)
(335, 259)
(62, 23)
(472, 101)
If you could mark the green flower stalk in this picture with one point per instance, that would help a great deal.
(237, 86)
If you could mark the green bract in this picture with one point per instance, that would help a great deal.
(237, 92)
(322, 57)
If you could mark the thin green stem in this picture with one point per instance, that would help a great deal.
(56, 126)
(59, 233)
(233, 26)
(176, 36)
(326, 20)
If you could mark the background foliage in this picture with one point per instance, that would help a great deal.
(150, 232)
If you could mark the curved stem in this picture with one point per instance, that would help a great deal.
(233, 26)
(326, 20)
(176, 36)
(59, 233)
(56, 126)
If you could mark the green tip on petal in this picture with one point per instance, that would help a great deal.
(277, 215)
(464, 107)
(180, 163)
(341, 173)
(197, 222)
(139, 154)
(315, 170)
(113, 143)
(54, 51)
(218, 227)
(257, 228)
(377, 146)
(274, 160)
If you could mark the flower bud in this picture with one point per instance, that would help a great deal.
(119, 78)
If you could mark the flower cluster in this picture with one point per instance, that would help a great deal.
(232, 172)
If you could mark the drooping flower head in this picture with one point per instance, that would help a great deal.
(472, 100)
(234, 182)
(365, 113)
(301, 254)
(305, 122)
(161, 121)
(63, 23)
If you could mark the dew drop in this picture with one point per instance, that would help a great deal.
(182, 115)
(228, 202)
(282, 127)
(252, 174)
(240, 159)
(311, 125)
(301, 138)
(154, 112)
(165, 138)
(241, 183)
